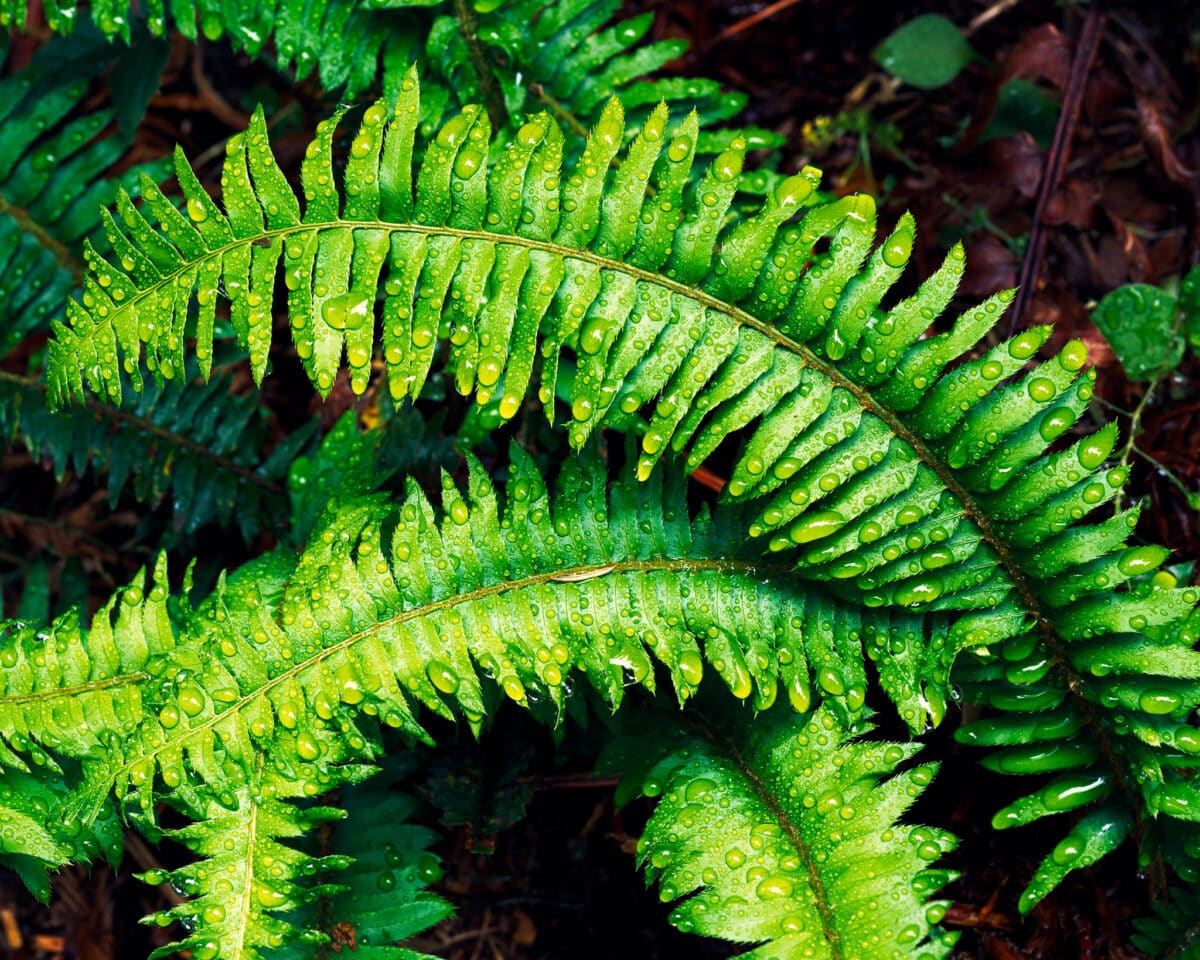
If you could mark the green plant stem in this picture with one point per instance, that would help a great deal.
(559, 110)
(66, 259)
(1135, 421)
(489, 86)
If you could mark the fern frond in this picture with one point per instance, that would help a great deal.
(889, 470)
(285, 674)
(783, 832)
(51, 186)
(568, 58)
(382, 895)
(52, 164)
(346, 40)
(245, 876)
(1173, 933)
(35, 838)
(390, 610)
(75, 691)
(199, 450)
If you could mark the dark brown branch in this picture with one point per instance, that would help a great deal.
(1056, 160)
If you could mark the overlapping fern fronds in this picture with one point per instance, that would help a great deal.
(280, 683)
(513, 55)
(198, 450)
(885, 467)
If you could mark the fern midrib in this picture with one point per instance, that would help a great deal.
(92, 686)
(584, 571)
(246, 894)
(104, 411)
(820, 896)
(970, 507)
(489, 86)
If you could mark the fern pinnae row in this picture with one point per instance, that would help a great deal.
(573, 575)
(816, 881)
(105, 411)
(64, 257)
(784, 832)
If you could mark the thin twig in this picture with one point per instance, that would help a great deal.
(755, 18)
(217, 105)
(489, 86)
(559, 109)
(1056, 161)
(988, 15)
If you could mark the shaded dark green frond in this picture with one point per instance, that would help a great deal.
(51, 191)
(198, 450)
(886, 466)
(1173, 933)
(36, 838)
(569, 58)
(383, 892)
(52, 163)
(349, 42)
(783, 832)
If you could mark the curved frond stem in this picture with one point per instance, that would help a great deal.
(489, 86)
(62, 254)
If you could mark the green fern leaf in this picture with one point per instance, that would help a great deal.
(197, 450)
(383, 894)
(286, 653)
(783, 833)
(889, 471)
(245, 875)
(34, 836)
(200, 448)
(568, 58)
(76, 692)
(347, 41)
(1173, 932)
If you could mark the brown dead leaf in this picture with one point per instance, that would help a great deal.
(1015, 164)
(1041, 54)
(525, 931)
(1157, 140)
(991, 266)
(1073, 205)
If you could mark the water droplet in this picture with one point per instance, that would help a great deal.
(898, 249)
(442, 676)
(816, 526)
